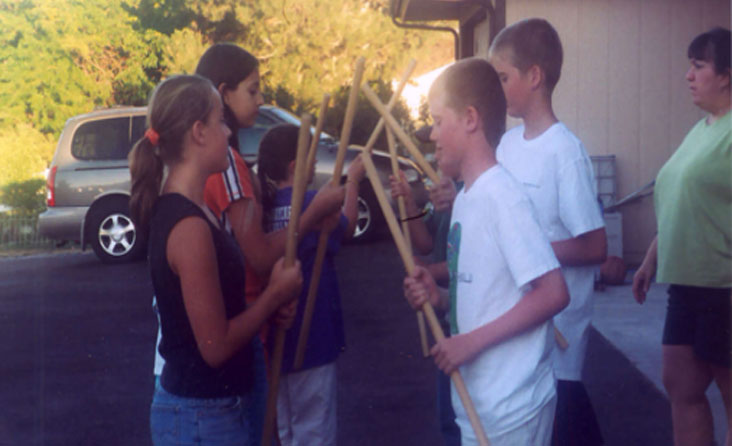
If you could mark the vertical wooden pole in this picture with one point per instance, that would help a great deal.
(323, 238)
(313, 152)
(405, 230)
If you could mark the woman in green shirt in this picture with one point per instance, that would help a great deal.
(692, 250)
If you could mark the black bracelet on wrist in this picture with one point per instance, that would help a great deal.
(420, 215)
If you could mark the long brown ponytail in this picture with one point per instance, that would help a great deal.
(175, 105)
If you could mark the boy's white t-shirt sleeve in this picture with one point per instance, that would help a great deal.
(522, 242)
(579, 209)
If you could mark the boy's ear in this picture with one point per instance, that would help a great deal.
(472, 119)
(291, 169)
(536, 76)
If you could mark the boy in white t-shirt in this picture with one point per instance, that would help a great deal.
(505, 282)
(556, 173)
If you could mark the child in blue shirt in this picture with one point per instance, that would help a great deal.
(306, 405)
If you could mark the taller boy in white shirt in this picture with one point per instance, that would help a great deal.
(556, 173)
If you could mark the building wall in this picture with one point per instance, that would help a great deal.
(622, 89)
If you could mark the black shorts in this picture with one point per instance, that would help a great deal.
(700, 317)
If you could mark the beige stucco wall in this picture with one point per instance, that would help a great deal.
(622, 89)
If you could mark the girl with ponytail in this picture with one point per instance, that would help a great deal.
(205, 390)
(233, 195)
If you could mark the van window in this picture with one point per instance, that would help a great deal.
(105, 139)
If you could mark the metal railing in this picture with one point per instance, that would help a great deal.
(20, 232)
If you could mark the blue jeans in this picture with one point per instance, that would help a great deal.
(179, 421)
(259, 393)
(176, 420)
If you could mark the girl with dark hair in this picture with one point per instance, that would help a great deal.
(692, 251)
(234, 194)
(306, 403)
(204, 394)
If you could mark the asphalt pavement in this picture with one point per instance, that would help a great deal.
(79, 339)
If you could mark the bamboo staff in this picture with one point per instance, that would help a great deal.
(399, 133)
(298, 192)
(318, 129)
(429, 312)
(323, 239)
(422, 162)
(392, 101)
(319, 255)
(405, 231)
(561, 340)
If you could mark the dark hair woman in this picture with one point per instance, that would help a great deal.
(693, 248)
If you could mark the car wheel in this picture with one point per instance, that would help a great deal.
(112, 234)
(369, 217)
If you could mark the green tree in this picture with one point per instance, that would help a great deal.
(25, 152)
(181, 51)
(305, 47)
(26, 197)
(310, 46)
(63, 58)
(60, 58)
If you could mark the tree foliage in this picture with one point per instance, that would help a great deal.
(25, 152)
(26, 197)
(60, 58)
(311, 46)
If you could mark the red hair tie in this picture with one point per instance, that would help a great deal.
(152, 136)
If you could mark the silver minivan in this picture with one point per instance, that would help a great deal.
(88, 182)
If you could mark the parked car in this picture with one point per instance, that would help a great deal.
(88, 182)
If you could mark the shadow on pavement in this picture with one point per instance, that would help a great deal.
(631, 411)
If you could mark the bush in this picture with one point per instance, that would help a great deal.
(25, 197)
(24, 152)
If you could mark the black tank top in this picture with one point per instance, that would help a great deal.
(185, 372)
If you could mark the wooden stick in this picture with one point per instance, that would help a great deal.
(429, 312)
(298, 192)
(394, 97)
(302, 339)
(399, 133)
(561, 340)
(348, 120)
(405, 231)
(320, 253)
(318, 129)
